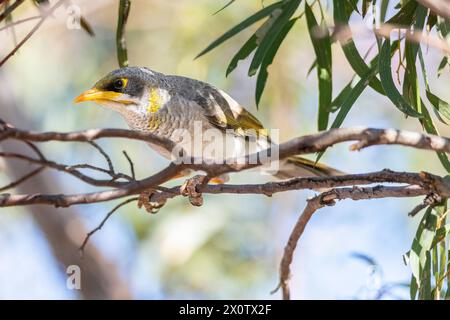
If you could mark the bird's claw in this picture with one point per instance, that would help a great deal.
(145, 200)
(189, 189)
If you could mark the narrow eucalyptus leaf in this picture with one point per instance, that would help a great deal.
(241, 26)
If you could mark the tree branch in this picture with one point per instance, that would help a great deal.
(329, 198)
(8, 10)
(364, 136)
(433, 187)
(307, 144)
(429, 184)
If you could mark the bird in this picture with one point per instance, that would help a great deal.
(177, 107)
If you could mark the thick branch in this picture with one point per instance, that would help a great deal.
(307, 144)
(428, 183)
(301, 145)
(328, 199)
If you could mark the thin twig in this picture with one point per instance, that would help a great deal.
(105, 155)
(65, 168)
(10, 21)
(22, 179)
(114, 176)
(417, 209)
(108, 215)
(430, 201)
(30, 34)
(133, 175)
(10, 9)
(15, 23)
(36, 150)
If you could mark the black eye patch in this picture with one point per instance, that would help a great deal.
(117, 85)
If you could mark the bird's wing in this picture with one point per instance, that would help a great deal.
(224, 112)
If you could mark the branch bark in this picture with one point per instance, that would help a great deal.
(363, 136)
(329, 198)
(343, 187)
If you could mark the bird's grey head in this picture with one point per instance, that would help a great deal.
(132, 91)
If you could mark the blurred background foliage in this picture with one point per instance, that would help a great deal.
(230, 247)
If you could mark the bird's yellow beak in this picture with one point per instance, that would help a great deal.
(96, 94)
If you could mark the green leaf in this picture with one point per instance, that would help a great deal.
(440, 105)
(383, 9)
(431, 21)
(278, 24)
(351, 98)
(351, 6)
(411, 90)
(435, 264)
(312, 67)
(427, 121)
(345, 100)
(268, 59)
(388, 82)
(241, 26)
(322, 49)
(443, 27)
(447, 294)
(421, 244)
(342, 96)
(365, 6)
(442, 65)
(224, 7)
(251, 44)
(354, 91)
(413, 287)
(420, 258)
(440, 234)
(427, 236)
(243, 53)
(425, 292)
(406, 15)
(351, 52)
(442, 265)
(429, 126)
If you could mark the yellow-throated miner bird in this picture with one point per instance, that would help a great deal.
(177, 107)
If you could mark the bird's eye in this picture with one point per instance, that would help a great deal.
(118, 84)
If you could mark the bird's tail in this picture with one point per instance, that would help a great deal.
(297, 166)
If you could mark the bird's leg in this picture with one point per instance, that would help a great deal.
(145, 200)
(189, 189)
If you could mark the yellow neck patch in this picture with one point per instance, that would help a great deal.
(154, 101)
